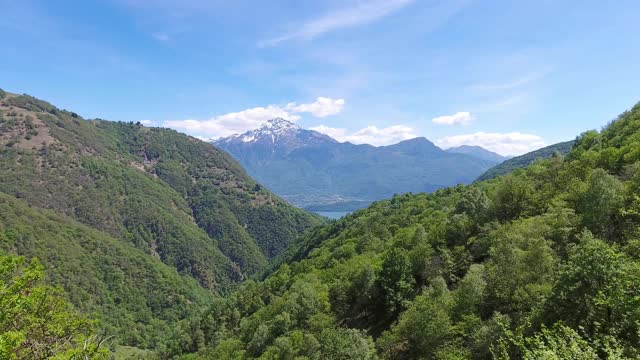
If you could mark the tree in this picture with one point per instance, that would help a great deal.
(562, 342)
(35, 320)
(423, 328)
(347, 344)
(513, 198)
(597, 292)
(521, 268)
(470, 291)
(396, 280)
(475, 204)
(231, 349)
(600, 204)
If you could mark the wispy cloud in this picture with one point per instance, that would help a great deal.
(459, 118)
(358, 13)
(510, 84)
(370, 135)
(514, 143)
(241, 121)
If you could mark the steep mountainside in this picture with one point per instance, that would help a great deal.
(542, 263)
(477, 151)
(314, 171)
(169, 201)
(525, 160)
(137, 298)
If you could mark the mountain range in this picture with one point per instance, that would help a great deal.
(478, 152)
(314, 171)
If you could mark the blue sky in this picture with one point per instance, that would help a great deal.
(508, 75)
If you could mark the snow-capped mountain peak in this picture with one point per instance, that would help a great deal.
(270, 132)
(278, 125)
(277, 133)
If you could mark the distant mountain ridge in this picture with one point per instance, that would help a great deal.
(315, 171)
(525, 160)
(478, 152)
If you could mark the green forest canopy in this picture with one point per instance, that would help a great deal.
(542, 263)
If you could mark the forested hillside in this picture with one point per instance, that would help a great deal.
(37, 322)
(525, 160)
(139, 225)
(543, 263)
(136, 296)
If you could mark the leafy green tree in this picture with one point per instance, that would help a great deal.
(347, 344)
(35, 320)
(597, 292)
(396, 280)
(601, 203)
(424, 328)
(470, 292)
(513, 198)
(458, 230)
(475, 203)
(562, 342)
(231, 349)
(521, 268)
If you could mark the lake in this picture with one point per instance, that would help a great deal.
(333, 214)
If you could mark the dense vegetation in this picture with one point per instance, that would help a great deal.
(36, 322)
(543, 263)
(525, 160)
(145, 224)
(136, 296)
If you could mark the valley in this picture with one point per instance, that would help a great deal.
(319, 180)
(178, 254)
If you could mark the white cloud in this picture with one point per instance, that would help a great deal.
(360, 13)
(335, 133)
(514, 143)
(241, 121)
(232, 123)
(459, 118)
(322, 107)
(146, 122)
(370, 135)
